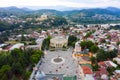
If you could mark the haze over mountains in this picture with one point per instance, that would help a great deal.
(74, 14)
(60, 10)
(57, 8)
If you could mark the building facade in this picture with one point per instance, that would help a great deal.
(58, 42)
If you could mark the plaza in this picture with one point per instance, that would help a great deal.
(60, 62)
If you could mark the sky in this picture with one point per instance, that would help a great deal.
(67, 3)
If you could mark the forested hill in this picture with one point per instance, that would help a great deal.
(84, 16)
(6, 11)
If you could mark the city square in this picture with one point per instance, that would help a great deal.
(65, 64)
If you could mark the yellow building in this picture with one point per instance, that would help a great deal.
(42, 17)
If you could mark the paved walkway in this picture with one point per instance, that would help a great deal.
(68, 68)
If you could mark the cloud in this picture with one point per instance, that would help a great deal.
(95, 3)
(68, 3)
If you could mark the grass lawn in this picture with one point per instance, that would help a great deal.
(11, 42)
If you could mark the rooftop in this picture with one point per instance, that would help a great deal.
(87, 70)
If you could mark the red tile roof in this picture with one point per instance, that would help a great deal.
(102, 64)
(87, 70)
(101, 72)
(8, 47)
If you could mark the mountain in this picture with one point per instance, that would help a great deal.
(74, 14)
(49, 12)
(92, 12)
(26, 9)
(8, 11)
(58, 8)
(13, 8)
(113, 9)
(94, 15)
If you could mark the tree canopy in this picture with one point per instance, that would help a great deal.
(72, 40)
(18, 63)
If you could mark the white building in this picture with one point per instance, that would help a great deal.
(117, 59)
(18, 45)
(58, 42)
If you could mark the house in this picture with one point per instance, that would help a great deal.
(117, 59)
(110, 64)
(35, 47)
(102, 64)
(77, 47)
(88, 73)
(116, 75)
(106, 64)
(101, 73)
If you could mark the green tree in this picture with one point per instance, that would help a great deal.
(72, 40)
(112, 54)
(46, 43)
(4, 72)
(83, 44)
(36, 56)
(26, 75)
(86, 44)
(101, 55)
(118, 43)
(93, 60)
(23, 38)
(17, 68)
(18, 62)
(14, 77)
(110, 70)
(89, 44)
(15, 53)
(95, 67)
(94, 49)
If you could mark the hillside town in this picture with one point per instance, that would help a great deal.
(79, 52)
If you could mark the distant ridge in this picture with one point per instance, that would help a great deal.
(109, 13)
(57, 8)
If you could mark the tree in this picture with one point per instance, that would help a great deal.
(110, 70)
(101, 55)
(26, 75)
(36, 56)
(15, 53)
(46, 43)
(72, 40)
(94, 49)
(18, 62)
(83, 44)
(14, 77)
(23, 38)
(86, 44)
(4, 72)
(95, 67)
(93, 60)
(112, 54)
(89, 44)
(118, 43)
(89, 33)
(17, 68)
